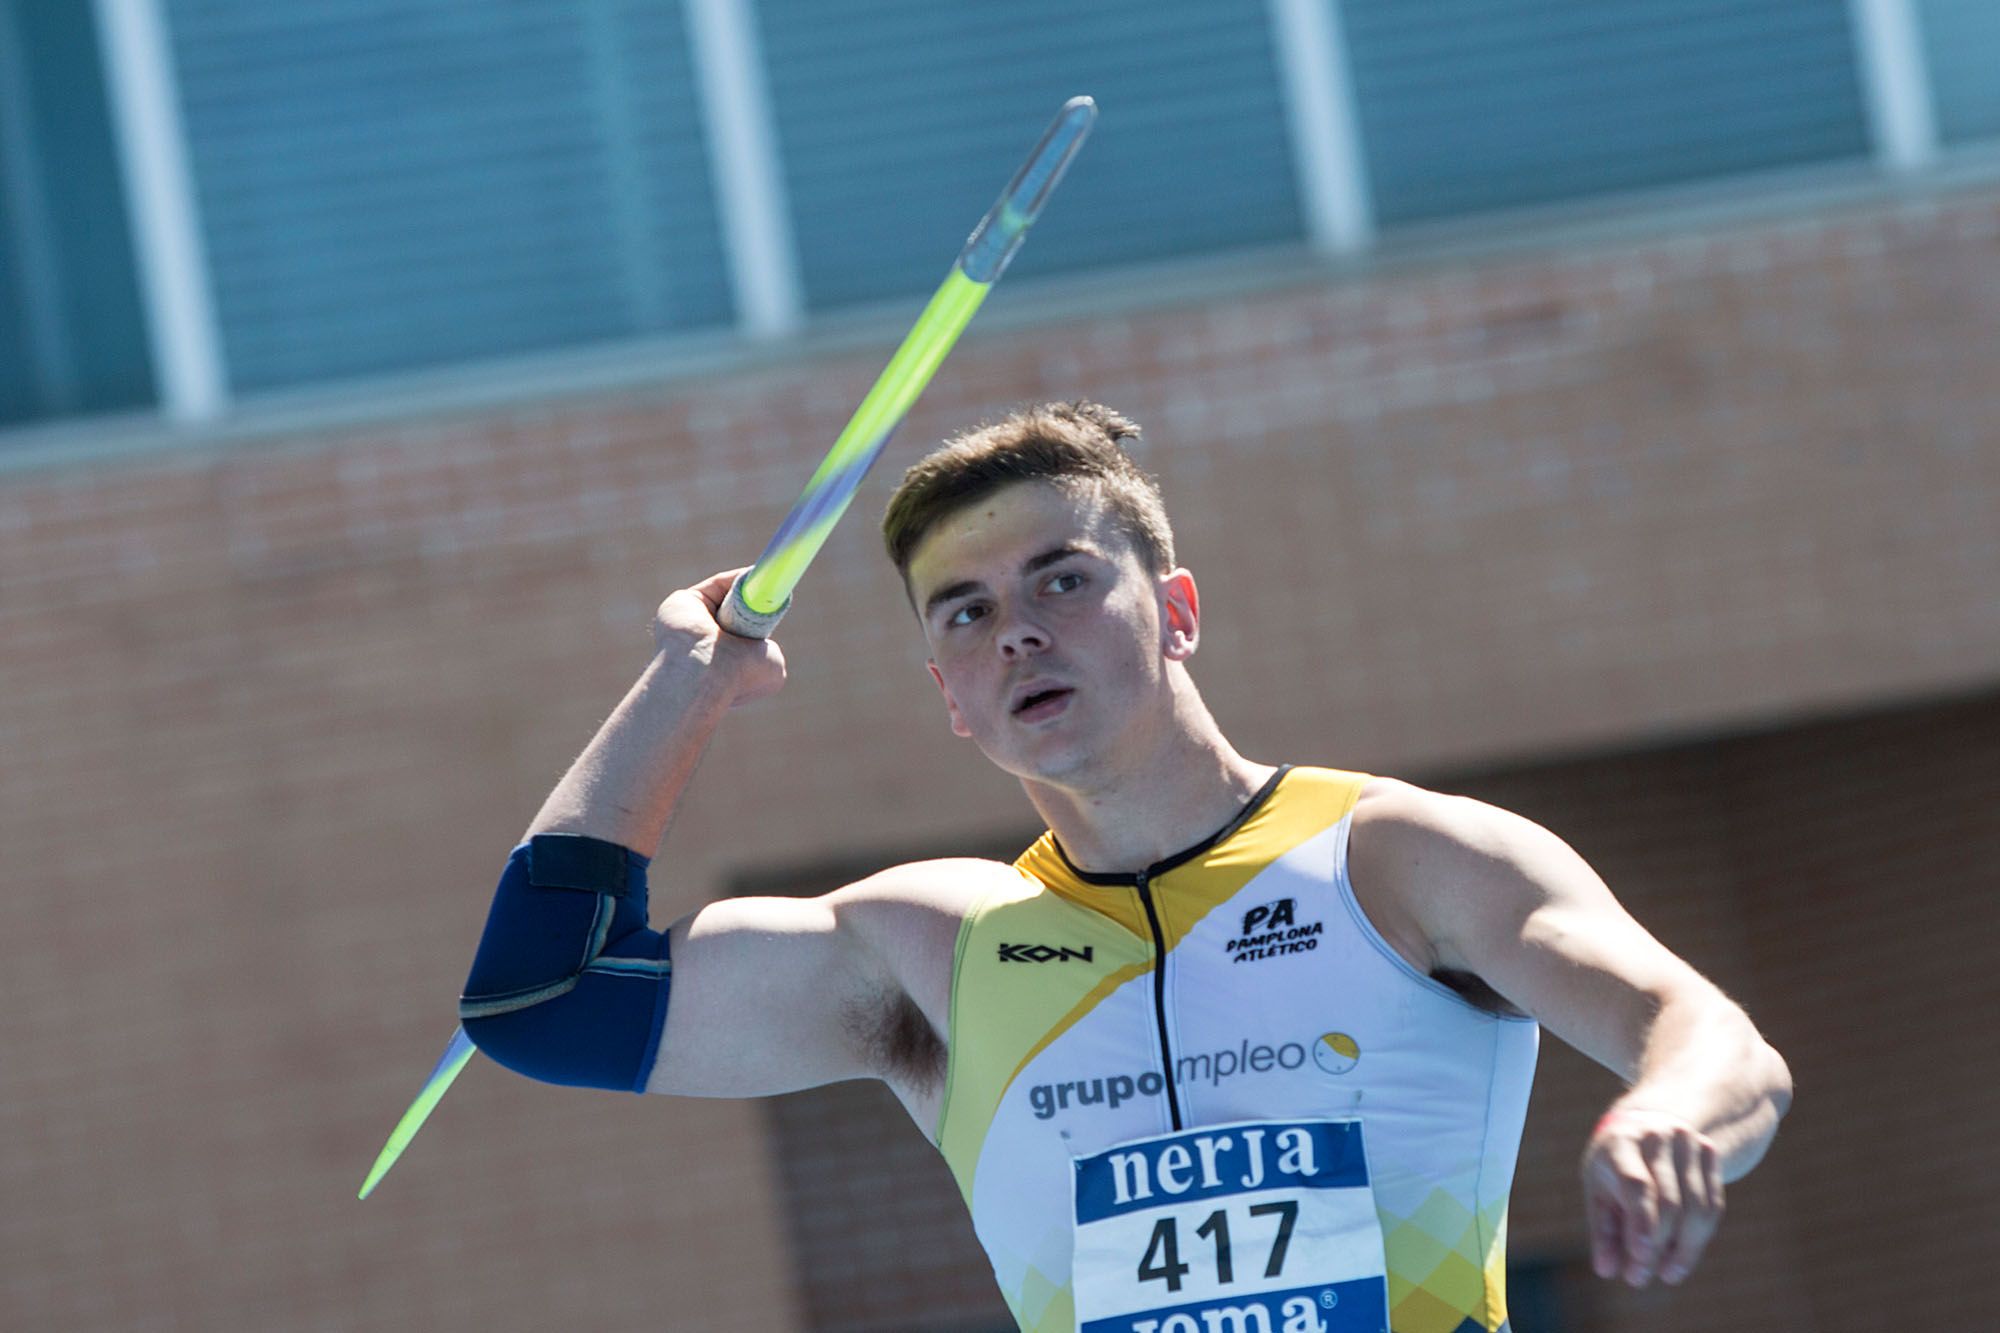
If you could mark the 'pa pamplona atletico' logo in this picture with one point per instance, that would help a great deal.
(1336, 1052)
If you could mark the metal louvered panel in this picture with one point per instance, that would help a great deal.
(72, 338)
(1468, 105)
(898, 121)
(1961, 42)
(391, 184)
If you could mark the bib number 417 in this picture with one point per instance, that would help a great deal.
(1265, 1226)
(1162, 1260)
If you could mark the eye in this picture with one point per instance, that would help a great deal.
(965, 615)
(1067, 581)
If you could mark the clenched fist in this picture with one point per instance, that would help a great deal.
(1652, 1192)
(686, 623)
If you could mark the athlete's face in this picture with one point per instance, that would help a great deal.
(1049, 637)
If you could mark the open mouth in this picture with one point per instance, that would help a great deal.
(1042, 703)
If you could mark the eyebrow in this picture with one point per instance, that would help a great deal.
(965, 587)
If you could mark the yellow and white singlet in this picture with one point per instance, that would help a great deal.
(1173, 1097)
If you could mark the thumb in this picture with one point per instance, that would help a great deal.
(715, 588)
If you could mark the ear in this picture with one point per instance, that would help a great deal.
(958, 727)
(1180, 616)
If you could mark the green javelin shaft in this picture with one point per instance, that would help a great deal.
(762, 594)
(766, 588)
(456, 1054)
(760, 597)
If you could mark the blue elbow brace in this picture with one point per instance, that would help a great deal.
(569, 986)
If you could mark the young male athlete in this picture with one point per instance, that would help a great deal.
(1233, 1046)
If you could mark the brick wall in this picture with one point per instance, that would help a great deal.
(1836, 878)
(274, 711)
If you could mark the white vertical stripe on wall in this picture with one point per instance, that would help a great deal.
(1898, 86)
(160, 203)
(1319, 105)
(743, 157)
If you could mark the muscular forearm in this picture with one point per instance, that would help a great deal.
(1704, 1063)
(625, 784)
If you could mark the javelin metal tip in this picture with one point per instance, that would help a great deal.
(999, 234)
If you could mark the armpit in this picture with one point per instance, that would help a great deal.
(900, 1044)
(1474, 990)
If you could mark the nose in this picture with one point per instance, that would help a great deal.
(1021, 637)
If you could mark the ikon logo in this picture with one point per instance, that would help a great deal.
(1041, 953)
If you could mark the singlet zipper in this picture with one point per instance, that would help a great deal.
(1160, 999)
(1143, 883)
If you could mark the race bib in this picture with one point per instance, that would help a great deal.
(1266, 1226)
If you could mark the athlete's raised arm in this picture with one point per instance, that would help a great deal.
(571, 983)
(1498, 896)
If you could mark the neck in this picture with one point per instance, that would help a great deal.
(1167, 798)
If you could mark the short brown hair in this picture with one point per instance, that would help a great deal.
(1076, 445)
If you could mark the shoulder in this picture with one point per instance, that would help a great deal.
(917, 908)
(1396, 822)
(1463, 872)
(1424, 861)
(948, 886)
(1391, 823)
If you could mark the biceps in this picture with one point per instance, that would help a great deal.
(769, 995)
(1542, 928)
(1501, 897)
(1593, 976)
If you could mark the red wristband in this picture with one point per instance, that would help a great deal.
(1622, 1112)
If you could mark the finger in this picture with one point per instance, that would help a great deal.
(1679, 1159)
(1606, 1229)
(1701, 1210)
(1612, 1190)
(1663, 1185)
(1638, 1208)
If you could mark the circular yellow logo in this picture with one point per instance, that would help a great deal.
(1336, 1052)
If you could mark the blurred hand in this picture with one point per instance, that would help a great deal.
(686, 623)
(1652, 1194)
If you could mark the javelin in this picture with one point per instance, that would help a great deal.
(760, 598)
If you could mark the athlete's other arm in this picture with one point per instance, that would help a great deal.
(766, 994)
(1499, 896)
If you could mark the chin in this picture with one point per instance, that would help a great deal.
(1066, 758)
(1054, 765)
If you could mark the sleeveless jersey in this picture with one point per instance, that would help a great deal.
(1236, 981)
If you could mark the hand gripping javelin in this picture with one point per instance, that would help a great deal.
(759, 598)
